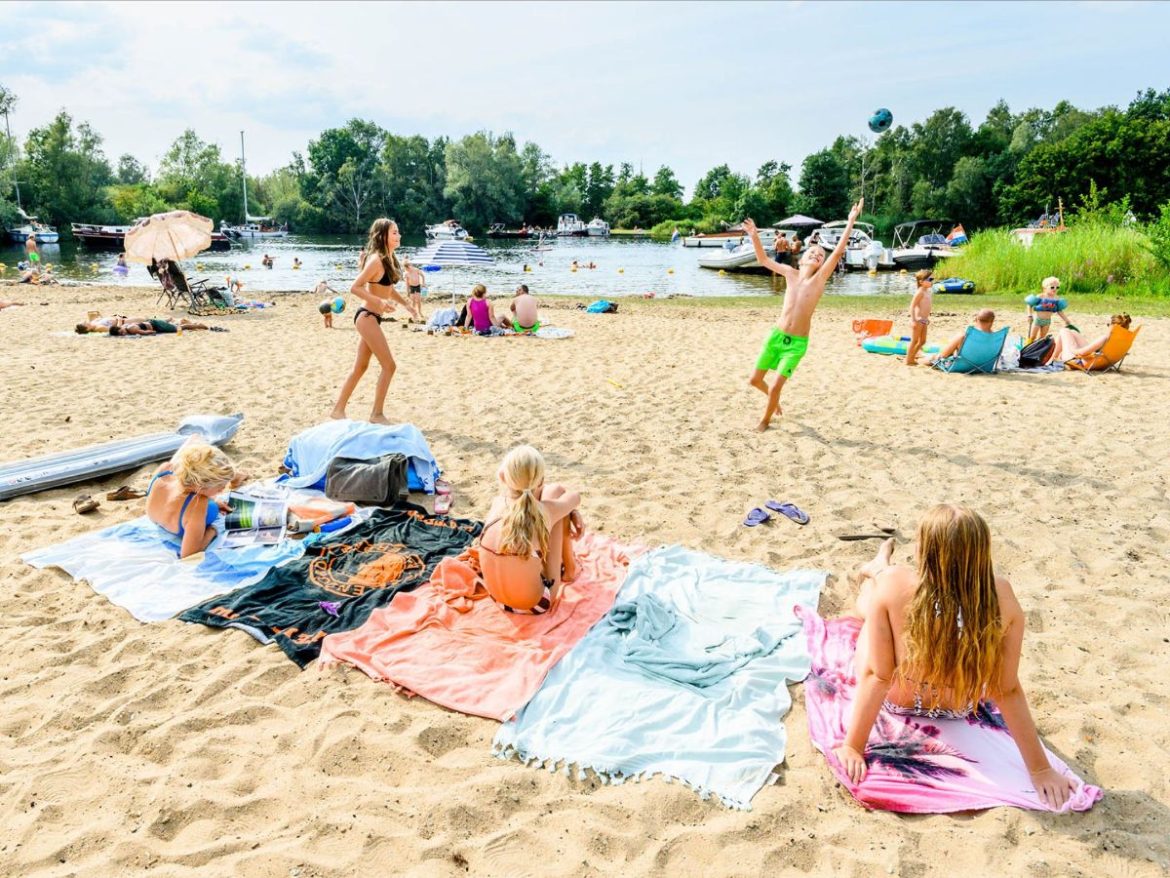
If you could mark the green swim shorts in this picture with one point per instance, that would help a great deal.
(516, 327)
(782, 353)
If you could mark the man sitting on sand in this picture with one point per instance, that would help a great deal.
(789, 339)
(982, 321)
(524, 311)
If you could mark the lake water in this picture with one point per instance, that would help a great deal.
(625, 267)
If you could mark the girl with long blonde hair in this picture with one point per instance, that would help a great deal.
(527, 551)
(181, 495)
(936, 641)
(374, 285)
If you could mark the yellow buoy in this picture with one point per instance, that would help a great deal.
(199, 266)
(670, 271)
(621, 271)
(247, 267)
(572, 269)
(903, 271)
(872, 272)
(721, 271)
(338, 265)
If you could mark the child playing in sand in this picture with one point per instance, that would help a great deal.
(325, 308)
(920, 307)
(181, 495)
(936, 641)
(527, 544)
(788, 342)
(1042, 307)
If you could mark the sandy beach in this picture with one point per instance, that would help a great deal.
(177, 750)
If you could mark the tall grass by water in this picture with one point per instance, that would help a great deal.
(1088, 258)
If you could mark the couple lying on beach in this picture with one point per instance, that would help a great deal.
(935, 641)
(140, 326)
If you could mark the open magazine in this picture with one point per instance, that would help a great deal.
(255, 520)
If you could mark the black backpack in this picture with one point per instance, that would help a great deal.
(1036, 353)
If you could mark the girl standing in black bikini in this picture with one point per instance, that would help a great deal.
(375, 286)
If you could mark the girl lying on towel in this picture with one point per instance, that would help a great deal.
(181, 495)
(527, 542)
(936, 641)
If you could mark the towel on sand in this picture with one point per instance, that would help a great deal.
(918, 765)
(136, 566)
(686, 677)
(448, 644)
(310, 451)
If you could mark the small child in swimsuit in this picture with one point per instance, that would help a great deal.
(414, 287)
(920, 307)
(527, 544)
(181, 495)
(1042, 307)
(325, 308)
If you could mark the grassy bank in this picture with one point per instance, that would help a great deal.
(1089, 258)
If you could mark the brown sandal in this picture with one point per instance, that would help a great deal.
(85, 504)
(125, 493)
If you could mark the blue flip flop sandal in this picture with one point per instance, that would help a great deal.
(756, 517)
(788, 510)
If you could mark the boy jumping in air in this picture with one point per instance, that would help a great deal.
(789, 339)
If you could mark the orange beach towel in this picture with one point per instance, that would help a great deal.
(450, 643)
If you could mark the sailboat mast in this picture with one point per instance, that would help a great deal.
(15, 182)
(244, 176)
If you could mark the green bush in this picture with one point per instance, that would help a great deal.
(1158, 238)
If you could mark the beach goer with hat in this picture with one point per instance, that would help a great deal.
(937, 640)
(788, 342)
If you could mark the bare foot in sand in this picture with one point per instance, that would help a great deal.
(883, 559)
(764, 424)
(379, 419)
(338, 415)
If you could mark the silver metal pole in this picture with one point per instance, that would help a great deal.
(244, 176)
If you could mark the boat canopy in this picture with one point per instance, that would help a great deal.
(905, 234)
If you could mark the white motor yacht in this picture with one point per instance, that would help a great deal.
(922, 243)
(448, 230)
(741, 258)
(597, 228)
(255, 227)
(569, 224)
(30, 225)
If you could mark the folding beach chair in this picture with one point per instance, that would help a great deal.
(979, 352)
(1111, 355)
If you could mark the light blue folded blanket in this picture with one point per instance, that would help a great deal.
(310, 451)
(686, 677)
(136, 566)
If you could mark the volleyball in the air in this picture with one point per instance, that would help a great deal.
(881, 120)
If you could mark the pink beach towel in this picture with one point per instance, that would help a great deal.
(918, 765)
(450, 643)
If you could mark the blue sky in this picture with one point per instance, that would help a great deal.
(688, 85)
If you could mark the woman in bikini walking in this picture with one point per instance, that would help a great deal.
(375, 287)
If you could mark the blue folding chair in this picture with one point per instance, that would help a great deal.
(979, 352)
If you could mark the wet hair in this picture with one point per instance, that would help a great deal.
(376, 246)
(198, 465)
(525, 521)
(954, 634)
(922, 274)
(1122, 320)
(479, 291)
(985, 316)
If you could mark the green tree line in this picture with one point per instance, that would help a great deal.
(1004, 171)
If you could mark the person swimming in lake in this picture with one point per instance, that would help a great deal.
(526, 546)
(181, 496)
(937, 640)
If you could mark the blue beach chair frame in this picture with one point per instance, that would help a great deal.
(979, 352)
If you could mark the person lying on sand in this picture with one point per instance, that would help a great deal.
(982, 321)
(4, 305)
(789, 339)
(1071, 345)
(156, 327)
(181, 495)
(936, 641)
(527, 544)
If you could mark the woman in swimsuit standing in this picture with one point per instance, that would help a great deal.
(936, 641)
(181, 495)
(526, 546)
(374, 286)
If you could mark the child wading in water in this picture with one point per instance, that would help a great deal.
(789, 340)
(527, 543)
(920, 307)
(936, 641)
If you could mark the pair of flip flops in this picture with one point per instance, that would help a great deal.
(789, 510)
(85, 504)
(884, 532)
(443, 499)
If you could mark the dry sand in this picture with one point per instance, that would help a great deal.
(177, 750)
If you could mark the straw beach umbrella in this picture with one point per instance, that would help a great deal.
(175, 235)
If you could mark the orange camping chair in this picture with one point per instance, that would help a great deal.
(1109, 358)
(871, 328)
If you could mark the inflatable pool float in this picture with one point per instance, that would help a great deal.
(96, 461)
(955, 285)
(888, 344)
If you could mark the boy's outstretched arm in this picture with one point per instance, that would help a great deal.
(831, 263)
(761, 254)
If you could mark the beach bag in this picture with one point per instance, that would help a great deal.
(1009, 357)
(1034, 354)
(442, 318)
(377, 482)
(603, 306)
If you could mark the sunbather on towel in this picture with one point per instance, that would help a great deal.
(527, 542)
(1071, 345)
(983, 321)
(181, 495)
(155, 327)
(788, 342)
(936, 641)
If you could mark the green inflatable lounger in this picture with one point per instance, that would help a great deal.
(97, 461)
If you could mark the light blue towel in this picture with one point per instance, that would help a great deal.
(136, 566)
(310, 451)
(686, 677)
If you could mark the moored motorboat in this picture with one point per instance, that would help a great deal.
(913, 250)
(735, 235)
(571, 225)
(255, 227)
(498, 230)
(43, 233)
(741, 258)
(448, 230)
(597, 228)
(103, 237)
